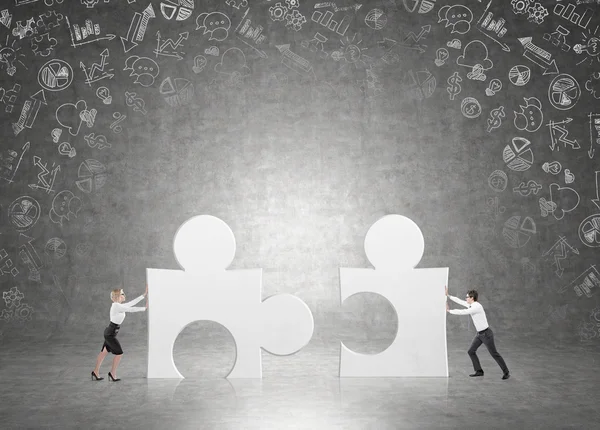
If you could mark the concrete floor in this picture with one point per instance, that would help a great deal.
(49, 386)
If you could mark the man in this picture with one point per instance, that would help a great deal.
(484, 332)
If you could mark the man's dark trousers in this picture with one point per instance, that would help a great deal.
(487, 337)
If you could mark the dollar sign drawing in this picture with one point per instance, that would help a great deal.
(495, 120)
(97, 141)
(526, 189)
(136, 102)
(454, 87)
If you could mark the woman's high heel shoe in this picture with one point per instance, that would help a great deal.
(95, 377)
(111, 378)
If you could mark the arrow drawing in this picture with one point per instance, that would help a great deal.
(169, 43)
(539, 56)
(596, 201)
(559, 133)
(39, 99)
(594, 125)
(128, 43)
(146, 15)
(411, 40)
(91, 73)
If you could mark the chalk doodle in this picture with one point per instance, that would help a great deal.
(494, 86)
(244, 3)
(421, 6)
(250, 35)
(518, 155)
(539, 56)
(569, 177)
(178, 9)
(9, 97)
(15, 310)
(6, 265)
(316, 44)
(23, 213)
(88, 33)
(137, 28)
(97, 72)
(441, 56)
(498, 181)
(133, 100)
(115, 126)
(553, 168)
(517, 231)
(45, 177)
(586, 283)
(594, 126)
(5, 18)
(454, 44)
(144, 69)
(65, 206)
(564, 92)
(323, 19)
(519, 75)
(558, 252)
(562, 200)
(177, 92)
(10, 161)
(470, 107)
(458, 17)
(454, 87)
(91, 175)
(294, 61)
(199, 63)
(169, 47)
(9, 55)
(99, 142)
(351, 52)
(525, 189)
(71, 116)
(590, 46)
(568, 12)
(419, 85)
(355, 8)
(43, 45)
(559, 134)
(475, 56)
(530, 117)
(559, 38)
(29, 112)
(376, 19)
(493, 29)
(596, 201)
(217, 24)
(103, 94)
(65, 148)
(589, 231)
(495, 119)
(55, 75)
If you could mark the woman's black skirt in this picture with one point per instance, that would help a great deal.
(111, 343)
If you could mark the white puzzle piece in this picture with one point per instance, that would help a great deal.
(204, 247)
(394, 245)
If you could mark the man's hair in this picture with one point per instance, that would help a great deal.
(114, 294)
(473, 294)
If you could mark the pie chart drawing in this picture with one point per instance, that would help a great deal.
(519, 75)
(55, 75)
(564, 92)
(589, 231)
(23, 213)
(56, 248)
(92, 176)
(376, 19)
(517, 233)
(177, 92)
(517, 155)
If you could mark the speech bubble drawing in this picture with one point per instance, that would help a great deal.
(144, 69)
(64, 205)
(458, 17)
(215, 23)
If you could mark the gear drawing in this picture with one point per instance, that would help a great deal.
(537, 13)
(278, 12)
(292, 4)
(12, 297)
(520, 6)
(295, 19)
(89, 3)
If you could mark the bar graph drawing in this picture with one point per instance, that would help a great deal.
(325, 19)
(251, 35)
(88, 33)
(492, 28)
(568, 12)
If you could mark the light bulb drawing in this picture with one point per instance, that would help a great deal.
(590, 46)
(352, 53)
(9, 56)
(441, 56)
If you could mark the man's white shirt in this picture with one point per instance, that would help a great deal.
(475, 310)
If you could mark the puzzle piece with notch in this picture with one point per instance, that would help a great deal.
(43, 45)
(394, 245)
(45, 22)
(204, 247)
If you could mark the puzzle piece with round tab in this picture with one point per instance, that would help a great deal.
(394, 245)
(43, 45)
(204, 247)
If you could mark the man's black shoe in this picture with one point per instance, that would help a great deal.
(506, 375)
(477, 373)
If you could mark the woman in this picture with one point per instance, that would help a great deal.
(111, 344)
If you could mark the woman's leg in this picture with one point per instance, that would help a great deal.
(115, 364)
(99, 360)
